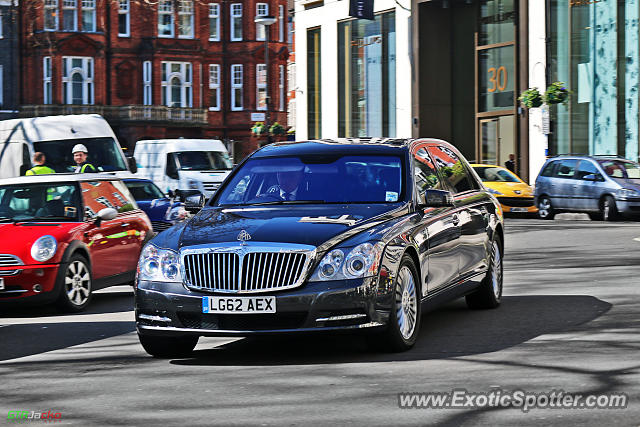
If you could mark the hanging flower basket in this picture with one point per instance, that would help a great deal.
(531, 98)
(556, 93)
(277, 129)
(258, 129)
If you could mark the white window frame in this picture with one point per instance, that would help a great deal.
(214, 13)
(165, 7)
(262, 9)
(236, 21)
(281, 23)
(51, 5)
(237, 83)
(124, 8)
(214, 85)
(261, 86)
(47, 89)
(281, 86)
(1, 25)
(86, 71)
(1, 83)
(147, 75)
(70, 5)
(186, 83)
(89, 7)
(186, 9)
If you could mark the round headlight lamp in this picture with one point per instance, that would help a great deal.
(44, 248)
(331, 263)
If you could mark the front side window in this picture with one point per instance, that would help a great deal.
(452, 168)
(42, 202)
(237, 84)
(425, 175)
(621, 169)
(566, 168)
(123, 18)
(98, 195)
(177, 84)
(185, 19)
(104, 154)
(69, 15)
(586, 167)
(165, 18)
(89, 15)
(346, 179)
(261, 87)
(214, 86)
(50, 15)
(77, 80)
(236, 22)
(262, 9)
(214, 22)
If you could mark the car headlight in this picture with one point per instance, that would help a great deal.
(44, 248)
(159, 265)
(496, 192)
(625, 193)
(340, 264)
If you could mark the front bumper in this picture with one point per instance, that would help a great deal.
(171, 309)
(628, 206)
(524, 204)
(24, 284)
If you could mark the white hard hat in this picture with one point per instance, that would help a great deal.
(79, 147)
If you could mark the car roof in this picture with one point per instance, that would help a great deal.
(587, 156)
(58, 178)
(484, 165)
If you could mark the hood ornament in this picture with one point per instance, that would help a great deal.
(243, 237)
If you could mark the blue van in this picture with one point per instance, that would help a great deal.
(605, 187)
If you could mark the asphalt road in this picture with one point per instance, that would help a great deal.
(570, 320)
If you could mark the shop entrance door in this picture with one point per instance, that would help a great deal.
(497, 139)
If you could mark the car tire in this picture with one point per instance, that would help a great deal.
(608, 209)
(545, 209)
(489, 293)
(595, 216)
(75, 285)
(403, 327)
(168, 347)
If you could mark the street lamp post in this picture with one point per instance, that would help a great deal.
(266, 21)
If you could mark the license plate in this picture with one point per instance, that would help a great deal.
(1, 284)
(519, 210)
(238, 305)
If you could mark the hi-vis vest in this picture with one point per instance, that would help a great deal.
(40, 170)
(84, 167)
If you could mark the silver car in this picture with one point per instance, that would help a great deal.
(604, 187)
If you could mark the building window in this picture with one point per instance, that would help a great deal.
(46, 79)
(281, 24)
(147, 98)
(214, 85)
(89, 15)
(214, 22)
(1, 87)
(50, 15)
(1, 20)
(123, 18)
(262, 9)
(281, 86)
(367, 76)
(165, 18)
(185, 19)
(261, 87)
(177, 89)
(69, 15)
(77, 80)
(314, 94)
(236, 22)
(236, 87)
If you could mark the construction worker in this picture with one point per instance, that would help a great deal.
(80, 154)
(39, 160)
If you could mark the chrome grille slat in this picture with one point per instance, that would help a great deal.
(7, 260)
(246, 269)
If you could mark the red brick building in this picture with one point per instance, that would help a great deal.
(161, 69)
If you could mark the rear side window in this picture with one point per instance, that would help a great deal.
(548, 169)
(452, 168)
(566, 168)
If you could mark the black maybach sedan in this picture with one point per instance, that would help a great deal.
(325, 235)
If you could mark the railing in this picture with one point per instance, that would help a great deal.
(135, 113)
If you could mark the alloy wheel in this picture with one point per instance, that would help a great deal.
(406, 303)
(606, 210)
(77, 283)
(544, 207)
(496, 273)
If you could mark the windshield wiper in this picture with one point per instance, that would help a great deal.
(47, 218)
(280, 202)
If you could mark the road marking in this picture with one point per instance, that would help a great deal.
(637, 239)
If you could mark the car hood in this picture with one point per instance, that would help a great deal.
(511, 189)
(308, 224)
(633, 184)
(155, 209)
(19, 238)
(205, 176)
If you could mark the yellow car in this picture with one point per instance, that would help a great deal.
(514, 194)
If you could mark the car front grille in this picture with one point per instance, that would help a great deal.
(516, 202)
(7, 260)
(159, 226)
(211, 186)
(246, 269)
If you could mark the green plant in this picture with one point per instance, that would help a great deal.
(258, 128)
(277, 129)
(531, 98)
(556, 93)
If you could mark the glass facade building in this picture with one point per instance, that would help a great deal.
(594, 51)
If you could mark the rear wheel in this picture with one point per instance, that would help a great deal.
(545, 210)
(75, 285)
(489, 294)
(168, 347)
(608, 209)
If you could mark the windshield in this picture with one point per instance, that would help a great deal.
(493, 174)
(141, 190)
(41, 202)
(104, 154)
(347, 179)
(203, 160)
(621, 169)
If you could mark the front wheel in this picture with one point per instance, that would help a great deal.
(489, 294)
(75, 285)
(545, 210)
(168, 347)
(609, 210)
(404, 320)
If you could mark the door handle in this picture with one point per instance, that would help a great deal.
(455, 219)
(124, 224)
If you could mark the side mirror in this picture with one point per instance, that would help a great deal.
(133, 166)
(438, 198)
(592, 177)
(194, 203)
(106, 214)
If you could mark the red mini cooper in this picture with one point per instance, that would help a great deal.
(63, 236)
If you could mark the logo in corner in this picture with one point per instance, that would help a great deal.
(243, 237)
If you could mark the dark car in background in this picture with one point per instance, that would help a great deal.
(605, 187)
(163, 211)
(344, 235)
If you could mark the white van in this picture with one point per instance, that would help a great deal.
(184, 164)
(55, 136)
